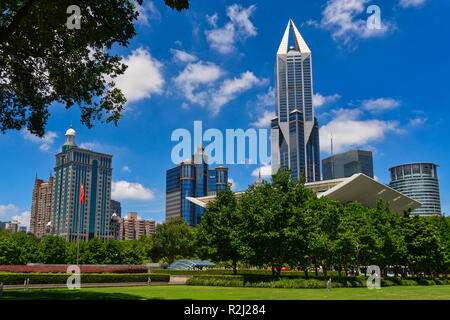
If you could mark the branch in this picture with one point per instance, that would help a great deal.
(21, 13)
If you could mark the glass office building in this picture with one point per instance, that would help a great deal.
(295, 130)
(420, 182)
(192, 178)
(75, 166)
(346, 164)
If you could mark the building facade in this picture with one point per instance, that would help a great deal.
(116, 208)
(294, 130)
(75, 167)
(420, 182)
(130, 227)
(192, 178)
(346, 164)
(41, 206)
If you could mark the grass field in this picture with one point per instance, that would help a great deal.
(225, 293)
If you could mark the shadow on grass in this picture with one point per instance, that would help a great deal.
(58, 294)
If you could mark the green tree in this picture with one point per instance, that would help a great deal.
(324, 236)
(216, 237)
(42, 61)
(145, 244)
(52, 250)
(131, 252)
(270, 214)
(172, 239)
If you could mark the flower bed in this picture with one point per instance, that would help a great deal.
(63, 269)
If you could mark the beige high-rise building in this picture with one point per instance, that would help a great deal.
(41, 206)
(130, 227)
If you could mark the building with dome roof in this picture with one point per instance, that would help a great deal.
(75, 166)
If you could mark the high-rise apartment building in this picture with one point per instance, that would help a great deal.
(420, 182)
(346, 164)
(295, 130)
(75, 167)
(131, 227)
(192, 178)
(41, 206)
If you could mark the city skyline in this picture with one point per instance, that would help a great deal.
(398, 117)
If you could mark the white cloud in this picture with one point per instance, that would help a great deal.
(230, 88)
(126, 169)
(143, 76)
(199, 84)
(412, 3)
(320, 100)
(8, 209)
(238, 28)
(266, 99)
(348, 130)
(89, 146)
(23, 218)
(194, 75)
(416, 122)
(45, 142)
(266, 171)
(183, 56)
(131, 190)
(148, 12)
(234, 185)
(379, 105)
(264, 120)
(212, 20)
(341, 18)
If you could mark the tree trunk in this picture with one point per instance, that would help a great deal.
(234, 267)
(306, 273)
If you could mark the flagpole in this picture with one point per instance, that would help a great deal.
(78, 225)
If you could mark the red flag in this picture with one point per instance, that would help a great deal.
(82, 194)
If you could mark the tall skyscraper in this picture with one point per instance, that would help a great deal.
(295, 130)
(346, 164)
(420, 182)
(75, 166)
(192, 178)
(41, 206)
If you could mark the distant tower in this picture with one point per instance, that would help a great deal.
(295, 130)
(192, 178)
(41, 206)
(420, 182)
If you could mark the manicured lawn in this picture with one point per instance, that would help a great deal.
(224, 293)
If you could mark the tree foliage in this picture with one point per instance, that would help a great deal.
(173, 239)
(42, 61)
(216, 237)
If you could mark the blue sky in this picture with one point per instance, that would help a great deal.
(384, 90)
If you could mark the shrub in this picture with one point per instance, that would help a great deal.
(61, 278)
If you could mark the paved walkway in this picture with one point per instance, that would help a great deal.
(85, 285)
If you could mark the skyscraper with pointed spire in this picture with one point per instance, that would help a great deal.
(295, 130)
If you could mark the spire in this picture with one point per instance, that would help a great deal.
(299, 43)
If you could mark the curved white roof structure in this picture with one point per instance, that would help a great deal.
(358, 187)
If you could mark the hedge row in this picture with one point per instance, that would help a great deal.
(244, 272)
(296, 282)
(61, 278)
(63, 269)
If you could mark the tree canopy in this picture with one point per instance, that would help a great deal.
(42, 61)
